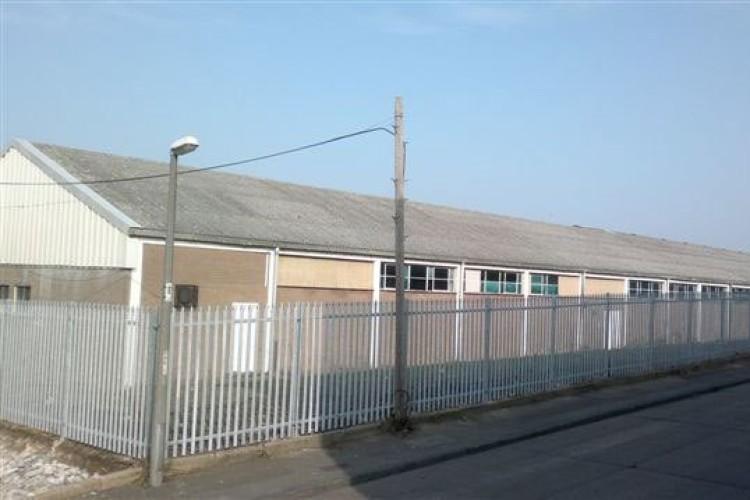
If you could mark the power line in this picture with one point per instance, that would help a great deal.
(206, 169)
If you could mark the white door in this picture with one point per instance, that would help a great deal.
(244, 338)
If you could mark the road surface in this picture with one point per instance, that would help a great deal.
(696, 448)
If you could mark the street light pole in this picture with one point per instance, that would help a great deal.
(161, 355)
(400, 410)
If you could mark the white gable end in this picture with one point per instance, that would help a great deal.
(48, 225)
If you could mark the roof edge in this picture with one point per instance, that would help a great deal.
(82, 192)
(154, 234)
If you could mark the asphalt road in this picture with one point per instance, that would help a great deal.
(690, 439)
(696, 448)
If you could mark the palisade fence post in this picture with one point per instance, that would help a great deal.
(4, 332)
(487, 333)
(730, 306)
(294, 382)
(668, 336)
(71, 311)
(552, 345)
(652, 333)
(689, 328)
(579, 324)
(607, 338)
(722, 322)
(154, 364)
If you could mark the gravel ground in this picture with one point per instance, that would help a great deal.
(28, 466)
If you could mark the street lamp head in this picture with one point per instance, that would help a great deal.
(184, 145)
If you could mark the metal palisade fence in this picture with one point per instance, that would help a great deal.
(80, 371)
(246, 373)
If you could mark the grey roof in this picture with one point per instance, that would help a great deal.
(236, 209)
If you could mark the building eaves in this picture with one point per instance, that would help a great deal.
(70, 183)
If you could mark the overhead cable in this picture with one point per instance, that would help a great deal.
(204, 169)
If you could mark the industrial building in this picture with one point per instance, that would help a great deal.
(68, 233)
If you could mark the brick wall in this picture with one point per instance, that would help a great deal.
(222, 276)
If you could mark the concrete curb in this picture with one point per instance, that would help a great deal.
(127, 477)
(184, 465)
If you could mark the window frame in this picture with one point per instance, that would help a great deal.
(428, 278)
(640, 291)
(503, 284)
(713, 290)
(387, 275)
(683, 289)
(545, 287)
(22, 293)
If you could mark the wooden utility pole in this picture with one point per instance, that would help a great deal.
(400, 396)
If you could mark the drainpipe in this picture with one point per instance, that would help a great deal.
(272, 277)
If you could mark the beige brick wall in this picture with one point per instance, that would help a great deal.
(291, 294)
(311, 279)
(223, 276)
(305, 272)
(601, 286)
(569, 285)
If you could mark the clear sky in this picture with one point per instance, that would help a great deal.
(628, 116)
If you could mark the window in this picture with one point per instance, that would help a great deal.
(418, 277)
(681, 289)
(713, 291)
(743, 292)
(501, 282)
(4, 292)
(442, 278)
(644, 288)
(388, 276)
(544, 284)
(23, 292)
(185, 296)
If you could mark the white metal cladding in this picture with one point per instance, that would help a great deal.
(47, 225)
(77, 370)
(249, 374)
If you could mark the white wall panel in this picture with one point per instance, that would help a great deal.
(473, 281)
(47, 225)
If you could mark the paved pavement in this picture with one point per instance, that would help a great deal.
(697, 448)
(673, 437)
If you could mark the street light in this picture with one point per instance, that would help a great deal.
(183, 146)
(180, 147)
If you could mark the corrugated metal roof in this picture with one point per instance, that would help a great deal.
(236, 209)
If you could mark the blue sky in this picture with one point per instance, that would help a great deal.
(627, 116)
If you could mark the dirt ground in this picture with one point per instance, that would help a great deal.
(32, 462)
